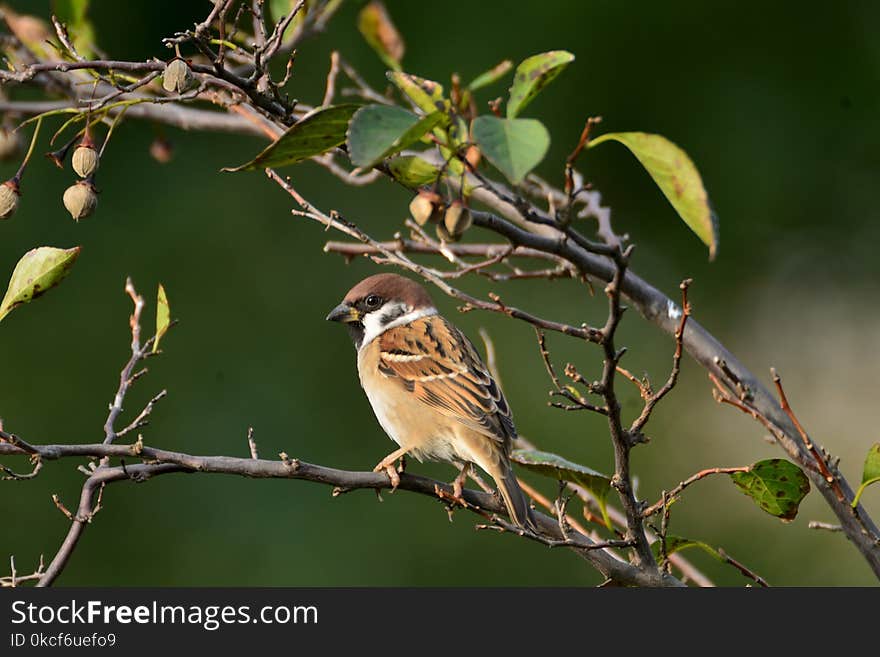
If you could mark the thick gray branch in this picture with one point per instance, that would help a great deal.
(705, 348)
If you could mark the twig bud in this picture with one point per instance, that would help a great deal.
(80, 199)
(9, 196)
(178, 76)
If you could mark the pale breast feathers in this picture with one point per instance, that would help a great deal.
(434, 361)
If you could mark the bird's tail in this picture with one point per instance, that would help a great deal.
(514, 499)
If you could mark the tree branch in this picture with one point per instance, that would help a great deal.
(159, 461)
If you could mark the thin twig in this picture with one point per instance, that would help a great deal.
(820, 460)
(670, 496)
(653, 399)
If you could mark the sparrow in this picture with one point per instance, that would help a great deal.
(428, 386)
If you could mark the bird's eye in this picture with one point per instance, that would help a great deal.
(373, 301)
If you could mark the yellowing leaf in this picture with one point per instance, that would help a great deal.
(413, 171)
(38, 270)
(491, 76)
(74, 15)
(675, 544)
(427, 95)
(532, 75)
(280, 9)
(870, 473)
(379, 32)
(676, 176)
(163, 316)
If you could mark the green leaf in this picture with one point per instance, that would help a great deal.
(677, 177)
(413, 171)
(379, 131)
(776, 485)
(74, 15)
(871, 472)
(532, 75)
(38, 270)
(70, 12)
(553, 465)
(163, 316)
(514, 146)
(312, 135)
(279, 9)
(427, 95)
(379, 32)
(677, 543)
(491, 76)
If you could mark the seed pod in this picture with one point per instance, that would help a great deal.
(80, 199)
(10, 144)
(178, 76)
(444, 234)
(425, 206)
(9, 196)
(473, 156)
(84, 160)
(457, 218)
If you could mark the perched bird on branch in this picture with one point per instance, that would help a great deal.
(428, 386)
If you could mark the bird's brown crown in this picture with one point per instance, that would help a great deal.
(390, 287)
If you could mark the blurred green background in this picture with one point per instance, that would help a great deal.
(776, 103)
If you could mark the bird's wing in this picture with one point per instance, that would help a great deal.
(437, 363)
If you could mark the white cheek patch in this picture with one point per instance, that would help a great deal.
(393, 313)
(373, 326)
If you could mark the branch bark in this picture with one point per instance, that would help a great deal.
(164, 462)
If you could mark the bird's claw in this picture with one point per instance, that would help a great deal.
(391, 470)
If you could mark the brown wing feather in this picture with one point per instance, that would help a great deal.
(438, 364)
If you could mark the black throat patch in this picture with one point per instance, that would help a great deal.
(356, 331)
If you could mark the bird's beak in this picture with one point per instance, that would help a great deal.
(344, 313)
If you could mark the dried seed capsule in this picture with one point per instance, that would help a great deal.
(421, 208)
(178, 77)
(84, 160)
(444, 234)
(80, 199)
(425, 207)
(457, 218)
(9, 196)
(473, 156)
(10, 144)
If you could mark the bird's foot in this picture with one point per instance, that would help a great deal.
(459, 481)
(390, 468)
